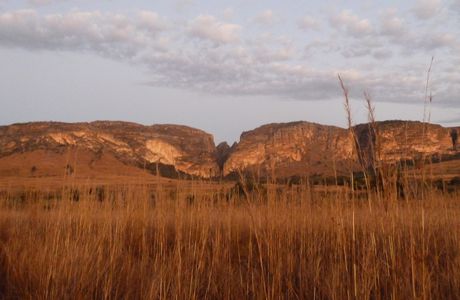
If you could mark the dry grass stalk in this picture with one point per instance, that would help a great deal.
(354, 139)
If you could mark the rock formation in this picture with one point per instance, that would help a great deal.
(223, 151)
(280, 150)
(188, 150)
(291, 148)
(307, 148)
(401, 140)
(454, 132)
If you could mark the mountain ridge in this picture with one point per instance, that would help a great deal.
(291, 148)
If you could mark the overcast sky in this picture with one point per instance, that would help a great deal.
(226, 66)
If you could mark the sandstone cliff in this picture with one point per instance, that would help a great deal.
(282, 149)
(188, 150)
(291, 148)
(400, 140)
(307, 148)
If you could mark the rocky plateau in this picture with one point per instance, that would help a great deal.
(284, 149)
(188, 150)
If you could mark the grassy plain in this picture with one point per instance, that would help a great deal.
(151, 238)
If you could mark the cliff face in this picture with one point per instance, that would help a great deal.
(223, 150)
(189, 150)
(287, 149)
(290, 148)
(405, 140)
(307, 148)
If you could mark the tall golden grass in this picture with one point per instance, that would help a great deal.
(188, 242)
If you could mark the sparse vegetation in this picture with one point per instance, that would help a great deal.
(69, 170)
(33, 170)
(454, 137)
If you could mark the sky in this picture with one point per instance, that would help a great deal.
(227, 66)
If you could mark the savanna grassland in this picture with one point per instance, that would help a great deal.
(203, 240)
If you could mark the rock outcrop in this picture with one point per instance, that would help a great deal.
(307, 148)
(223, 150)
(454, 134)
(188, 150)
(402, 140)
(280, 150)
(291, 148)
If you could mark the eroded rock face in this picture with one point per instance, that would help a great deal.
(189, 150)
(454, 133)
(290, 149)
(286, 149)
(223, 152)
(307, 148)
(400, 140)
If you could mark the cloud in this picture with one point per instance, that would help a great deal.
(308, 23)
(347, 22)
(426, 9)
(455, 5)
(114, 35)
(382, 54)
(209, 28)
(43, 2)
(183, 4)
(391, 25)
(266, 17)
(431, 43)
(265, 54)
(152, 21)
(438, 40)
(352, 52)
(214, 56)
(40, 2)
(321, 46)
(228, 13)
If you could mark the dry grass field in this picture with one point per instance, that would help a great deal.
(197, 240)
